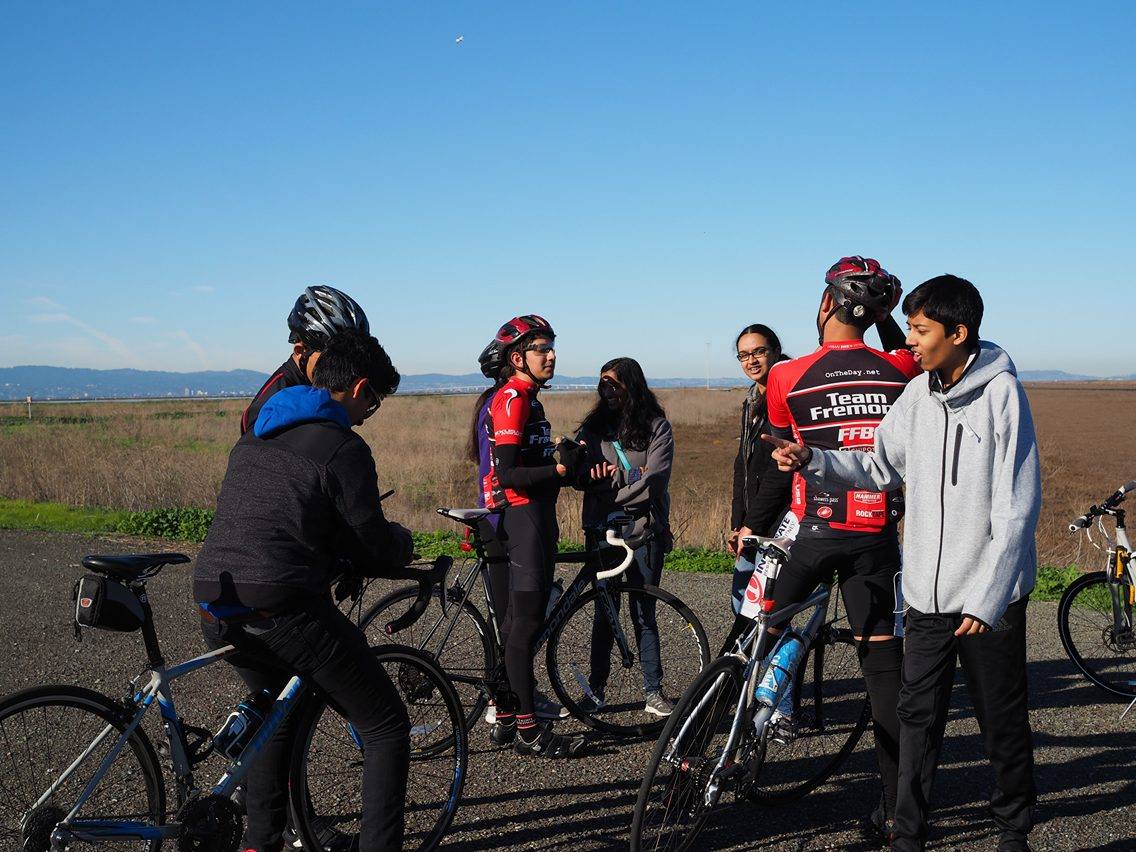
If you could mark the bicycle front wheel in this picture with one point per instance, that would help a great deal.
(672, 806)
(831, 711)
(615, 641)
(43, 731)
(467, 654)
(1102, 649)
(326, 774)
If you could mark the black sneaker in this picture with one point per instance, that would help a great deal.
(877, 829)
(501, 734)
(549, 744)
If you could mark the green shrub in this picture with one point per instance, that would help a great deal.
(1053, 581)
(699, 559)
(183, 524)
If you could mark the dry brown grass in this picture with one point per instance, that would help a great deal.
(156, 454)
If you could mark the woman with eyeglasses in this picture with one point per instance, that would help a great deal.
(630, 447)
(761, 491)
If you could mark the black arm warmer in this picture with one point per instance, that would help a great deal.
(515, 476)
(891, 335)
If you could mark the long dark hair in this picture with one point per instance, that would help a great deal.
(631, 423)
(473, 446)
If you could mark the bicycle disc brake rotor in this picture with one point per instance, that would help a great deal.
(1119, 643)
(38, 825)
(414, 684)
(210, 824)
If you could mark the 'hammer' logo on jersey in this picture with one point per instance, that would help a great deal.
(855, 434)
(851, 405)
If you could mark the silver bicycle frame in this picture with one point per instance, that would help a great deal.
(157, 690)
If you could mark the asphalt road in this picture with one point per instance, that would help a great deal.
(1086, 756)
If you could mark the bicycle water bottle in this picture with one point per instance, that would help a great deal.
(243, 723)
(553, 596)
(786, 656)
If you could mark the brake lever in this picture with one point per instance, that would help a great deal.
(426, 580)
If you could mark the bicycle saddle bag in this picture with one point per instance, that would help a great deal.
(106, 604)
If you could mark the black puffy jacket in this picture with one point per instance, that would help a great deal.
(299, 494)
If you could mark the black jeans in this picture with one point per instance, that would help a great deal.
(994, 664)
(321, 645)
(645, 569)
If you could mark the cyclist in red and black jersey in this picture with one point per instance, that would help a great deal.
(833, 399)
(319, 312)
(523, 481)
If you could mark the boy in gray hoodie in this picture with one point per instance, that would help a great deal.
(962, 439)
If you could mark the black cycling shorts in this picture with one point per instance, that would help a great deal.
(529, 533)
(866, 566)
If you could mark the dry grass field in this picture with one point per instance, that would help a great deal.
(159, 454)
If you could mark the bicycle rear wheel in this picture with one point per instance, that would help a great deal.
(1104, 654)
(326, 774)
(42, 732)
(683, 652)
(468, 655)
(671, 808)
(830, 715)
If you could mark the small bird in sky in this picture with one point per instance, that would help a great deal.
(459, 39)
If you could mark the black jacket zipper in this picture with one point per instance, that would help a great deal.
(955, 463)
(942, 502)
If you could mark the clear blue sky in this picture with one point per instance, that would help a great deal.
(650, 177)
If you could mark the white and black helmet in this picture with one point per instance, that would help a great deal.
(320, 312)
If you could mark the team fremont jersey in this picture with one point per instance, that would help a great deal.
(833, 399)
(516, 417)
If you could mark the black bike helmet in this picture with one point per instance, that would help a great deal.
(320, 312)
(862, 286)
(492, 357)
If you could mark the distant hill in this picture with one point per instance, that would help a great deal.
(81, 383)
(1062, 376)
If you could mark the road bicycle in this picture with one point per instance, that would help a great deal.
(1095, 615)
(469, 645)
(722, 744)
(78, 771)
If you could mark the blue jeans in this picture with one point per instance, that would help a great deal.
(645, 569)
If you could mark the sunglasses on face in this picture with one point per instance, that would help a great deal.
(375, 402)
(541, 348)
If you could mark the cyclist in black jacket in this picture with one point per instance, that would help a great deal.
(761, 491)
(299, 494)
(319, 312)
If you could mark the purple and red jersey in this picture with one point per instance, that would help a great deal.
(833, 399)
(516, 417)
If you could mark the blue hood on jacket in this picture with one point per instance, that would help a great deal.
(298, 404)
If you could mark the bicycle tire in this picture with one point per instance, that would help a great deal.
(42, 731)
(831, 712)
(684, 652)
(673, 788)
(470, 656)
(1087, 629)
(436, 777)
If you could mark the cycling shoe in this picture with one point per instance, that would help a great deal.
(550, 744)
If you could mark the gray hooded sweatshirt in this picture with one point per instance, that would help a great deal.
(969, 458)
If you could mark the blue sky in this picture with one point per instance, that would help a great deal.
(651, 177)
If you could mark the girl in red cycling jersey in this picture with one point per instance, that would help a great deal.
(524, 481)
